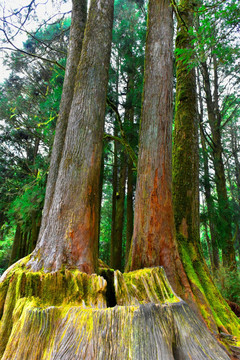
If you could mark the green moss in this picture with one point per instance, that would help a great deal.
(22, 291)
(146, 285)
(213, 308)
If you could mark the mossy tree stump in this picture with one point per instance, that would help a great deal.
(64, 315)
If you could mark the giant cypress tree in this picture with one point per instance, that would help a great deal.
(153, 237)
(66, 309)
(70, 233)
(78, 21)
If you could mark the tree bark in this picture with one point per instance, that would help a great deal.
(70, 237)
(154, 236)
(78, 21)
(186, 183)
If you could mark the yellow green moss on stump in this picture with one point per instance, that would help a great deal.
(64, 315)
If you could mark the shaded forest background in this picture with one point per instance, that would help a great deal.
(29, 104)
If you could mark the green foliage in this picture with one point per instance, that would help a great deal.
(105, 226)
(228, 283)
(7, 233)
(29, 104)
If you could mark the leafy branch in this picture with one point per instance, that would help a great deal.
(123, 140)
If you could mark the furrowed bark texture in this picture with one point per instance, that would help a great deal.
(70, 236)
(63, 315)
(154, 235)
(185, 191)
(78, 21)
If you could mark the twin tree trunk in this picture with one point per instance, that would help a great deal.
(78, 22)
(154, 241)
(69, 234)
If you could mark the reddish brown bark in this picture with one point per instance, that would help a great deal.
(154, 232)
(70, 237)
(78, 21)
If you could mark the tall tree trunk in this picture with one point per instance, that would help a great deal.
(154, 236)
(186, 183)
(34, 231)
(115, 171)
(210, 206)
(130, 175)
(235, 151)
(229, 258)
(130, 184)
(116, 250)
(100, 195)
(16, 245)
(71, 233)
(237, 177)
(114, 197)
(209, 245)
(153, 241)
(78, 21)
(207, 188)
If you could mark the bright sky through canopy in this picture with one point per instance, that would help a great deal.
(48, 9)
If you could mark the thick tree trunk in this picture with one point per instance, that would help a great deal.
(154, 235)
(64, 315)
(185, 153)
(186, 186)
(78, 21)
(70, 236)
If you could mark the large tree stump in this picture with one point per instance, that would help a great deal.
(64, 315)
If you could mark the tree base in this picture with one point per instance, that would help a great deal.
(65, 315)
